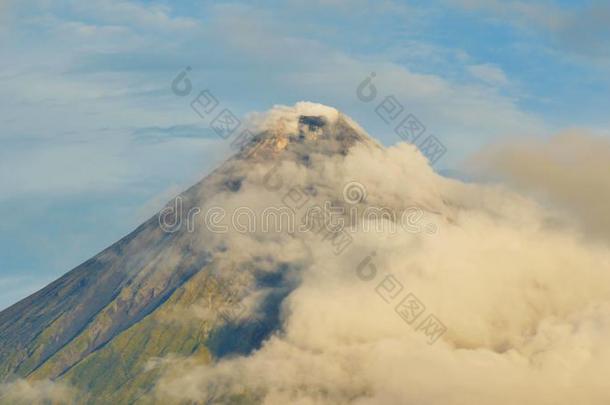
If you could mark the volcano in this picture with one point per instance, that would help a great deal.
(316, 266)
(172, 288)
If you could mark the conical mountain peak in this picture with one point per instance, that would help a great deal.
(302, 129)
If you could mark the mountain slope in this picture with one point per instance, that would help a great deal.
(99, 326)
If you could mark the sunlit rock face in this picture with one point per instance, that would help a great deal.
(303, 129)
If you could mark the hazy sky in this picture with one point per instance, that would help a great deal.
(93, 141)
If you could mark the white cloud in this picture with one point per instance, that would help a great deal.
(489, 74)
(580, 30)
(525, 299)
(544, 14)
(132, 13)
(569, 171)
(22, 392)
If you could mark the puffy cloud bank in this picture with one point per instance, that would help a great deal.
(570, 171)
(22, 392)
(523, 294)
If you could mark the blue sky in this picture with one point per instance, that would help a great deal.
(93, 141)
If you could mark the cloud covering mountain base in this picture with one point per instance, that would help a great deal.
(524, 296)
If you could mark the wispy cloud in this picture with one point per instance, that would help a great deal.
(581, 28)
(568, 171)
(489, 74)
